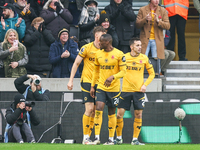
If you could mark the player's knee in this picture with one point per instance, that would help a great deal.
(119, 116)
(138, 115)
(100, 106)
(89, 111)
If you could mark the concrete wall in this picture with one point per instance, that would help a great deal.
(60, 84)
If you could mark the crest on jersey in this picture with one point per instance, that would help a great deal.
(106, 60)
(82, 50)
(123, 58)
(134, 63)
(113, 57)
(141, 61)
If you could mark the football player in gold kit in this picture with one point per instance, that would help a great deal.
(110, 66)
(133, 89)
(87, 54)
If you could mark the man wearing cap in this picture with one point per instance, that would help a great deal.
(11, 20)
(18, 121)
(34, 91)
(62, 55)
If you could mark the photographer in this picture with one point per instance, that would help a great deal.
(19, 118)
(34, 91)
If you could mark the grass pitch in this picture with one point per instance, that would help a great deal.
(48, 146)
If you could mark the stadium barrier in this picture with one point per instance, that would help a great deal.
(159, 123)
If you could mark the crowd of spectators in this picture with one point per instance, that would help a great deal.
(47, 51)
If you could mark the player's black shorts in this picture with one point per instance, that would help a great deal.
(85, 88)
(111, 99)
(137, 98)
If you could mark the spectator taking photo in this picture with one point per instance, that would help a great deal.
(19, 118)
(34, 91)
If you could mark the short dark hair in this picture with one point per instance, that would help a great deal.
(132, 40)
(98, 29)
(107, 37)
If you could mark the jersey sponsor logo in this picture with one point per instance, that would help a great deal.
(82, 50)
(91, 59)
(123, 58)
(133, 68)
(107, 67)
(106, 60)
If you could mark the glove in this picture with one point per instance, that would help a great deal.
(58, 7)
(121, 6)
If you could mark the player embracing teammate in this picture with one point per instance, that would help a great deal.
(109, 66)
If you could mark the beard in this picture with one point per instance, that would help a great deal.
(6, 16)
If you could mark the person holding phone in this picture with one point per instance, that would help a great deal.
(13, 56)
(25, 11)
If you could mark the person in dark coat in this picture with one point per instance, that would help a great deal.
(62, 55)
(19, 118)
(56, 17)
(34, 91)
(75, 7)
(88, 20)
(123, 18)
(25, 12)
(37, 5)
(38, 41)
(104, 21)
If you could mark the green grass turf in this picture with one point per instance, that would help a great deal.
(48, 146)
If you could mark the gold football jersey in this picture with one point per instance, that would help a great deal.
(88, 52)
(134, 77)
(108, 64)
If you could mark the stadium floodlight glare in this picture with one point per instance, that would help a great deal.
(179, 114)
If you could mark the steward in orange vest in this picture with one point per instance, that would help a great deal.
(177, 7)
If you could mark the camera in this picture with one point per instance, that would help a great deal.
(30, 104)
(36, 81)
(20, 122)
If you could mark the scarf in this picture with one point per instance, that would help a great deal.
(88, 13)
